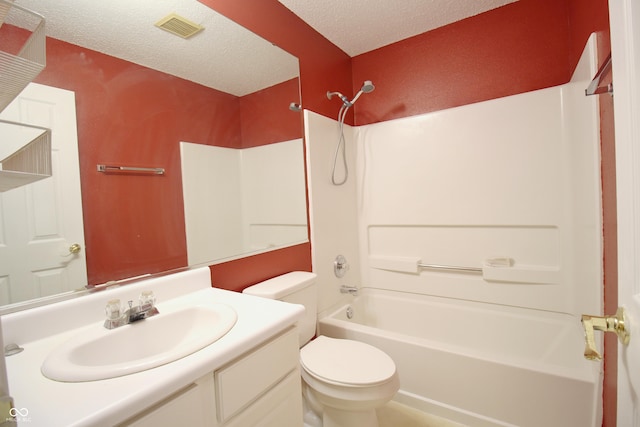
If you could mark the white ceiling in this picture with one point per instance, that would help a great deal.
(224, 56)
(220, 57)
(359, 26)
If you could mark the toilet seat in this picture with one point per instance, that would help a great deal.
(346, 362)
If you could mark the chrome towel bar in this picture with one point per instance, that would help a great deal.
(109, 168)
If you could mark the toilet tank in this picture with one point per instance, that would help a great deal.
(297, 287)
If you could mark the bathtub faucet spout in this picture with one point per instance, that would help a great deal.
(345, 289)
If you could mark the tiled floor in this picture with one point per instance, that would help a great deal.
(394, 414)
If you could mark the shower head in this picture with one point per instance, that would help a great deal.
(367, 86)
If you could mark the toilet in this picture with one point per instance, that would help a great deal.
(344, 381)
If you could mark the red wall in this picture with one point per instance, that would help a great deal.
(513, 49)
(323, 66)
(133, 116)
(265, 119)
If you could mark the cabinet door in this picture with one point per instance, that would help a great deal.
(280, 407)
(245, 380)
(184, 408)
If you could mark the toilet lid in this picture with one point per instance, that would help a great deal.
(346, 361)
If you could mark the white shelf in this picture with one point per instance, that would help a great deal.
(18, 70)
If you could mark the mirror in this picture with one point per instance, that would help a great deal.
(25, 154)
(136, 100)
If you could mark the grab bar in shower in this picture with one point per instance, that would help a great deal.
(414, 264)
(495, 269)
(449, 267)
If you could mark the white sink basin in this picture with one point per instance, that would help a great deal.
(98, 353)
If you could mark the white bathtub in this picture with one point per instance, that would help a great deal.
(478, 364)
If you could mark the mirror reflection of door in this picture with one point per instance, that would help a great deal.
(41, 222)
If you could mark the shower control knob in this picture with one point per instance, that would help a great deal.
(340, 266)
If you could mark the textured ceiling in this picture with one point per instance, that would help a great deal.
(224, 56)
(359, 26)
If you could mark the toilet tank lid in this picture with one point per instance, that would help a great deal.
(281, 286)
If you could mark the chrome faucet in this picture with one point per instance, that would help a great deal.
(145, 308)
(346, 289)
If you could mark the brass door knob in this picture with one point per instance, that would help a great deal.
(74, 249)
(615, 323)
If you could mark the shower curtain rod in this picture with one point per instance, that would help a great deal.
(594, 87)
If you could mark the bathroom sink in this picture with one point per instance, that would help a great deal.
(98, 353)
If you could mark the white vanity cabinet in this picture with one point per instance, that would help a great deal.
(189, 407)
(259, 388)
(248, 377)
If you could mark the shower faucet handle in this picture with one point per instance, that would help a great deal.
(615, 323)
(340, 266)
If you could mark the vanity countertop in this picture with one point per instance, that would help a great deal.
(44, 402)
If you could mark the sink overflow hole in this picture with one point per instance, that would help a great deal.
(11, 349)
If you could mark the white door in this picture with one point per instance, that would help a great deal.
(625, 40)
(40, 222)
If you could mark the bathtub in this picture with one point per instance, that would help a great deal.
(477, 364)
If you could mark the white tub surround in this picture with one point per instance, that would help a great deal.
(514, 178)
(332, 209)
(112, 401)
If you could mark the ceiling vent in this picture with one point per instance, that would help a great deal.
(179, 26)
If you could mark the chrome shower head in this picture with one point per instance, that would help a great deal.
(367, 86)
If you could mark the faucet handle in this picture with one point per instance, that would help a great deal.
(147, 300)
(113, 310)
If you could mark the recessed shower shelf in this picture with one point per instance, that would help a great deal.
(19, 69)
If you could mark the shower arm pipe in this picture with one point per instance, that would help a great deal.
(367, 87)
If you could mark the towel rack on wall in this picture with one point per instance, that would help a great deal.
(594, 87)
(109, 168)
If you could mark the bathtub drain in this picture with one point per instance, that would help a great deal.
(349, 312)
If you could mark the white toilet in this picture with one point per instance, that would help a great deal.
(344, 381)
